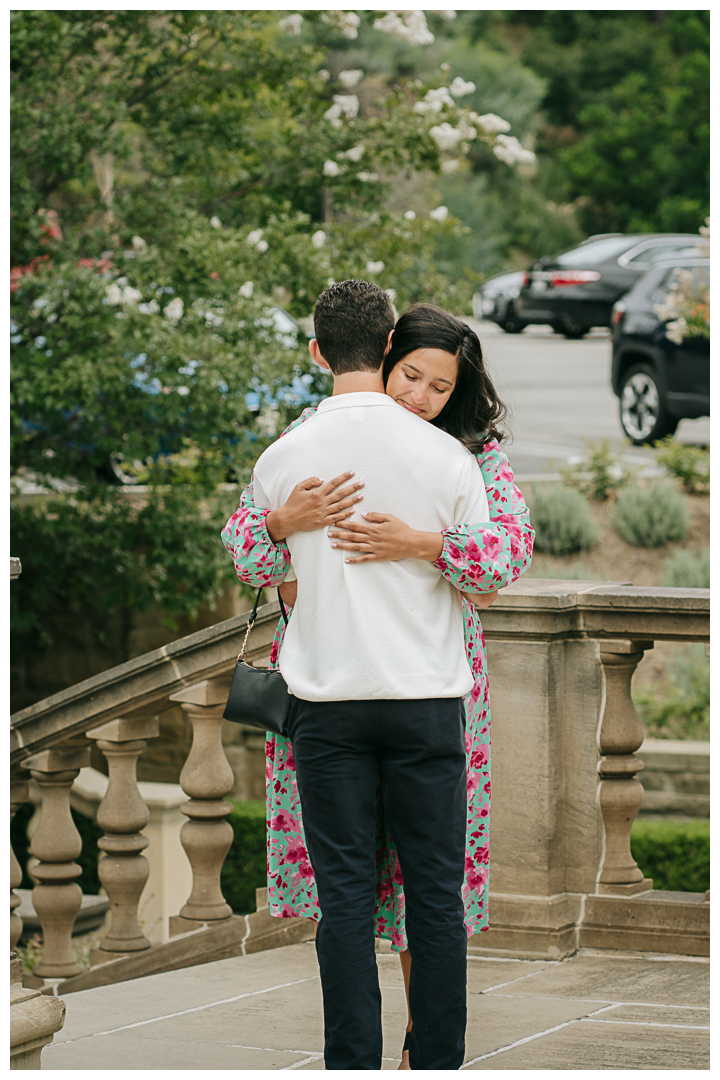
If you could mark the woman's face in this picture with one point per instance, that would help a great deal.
(423, 381)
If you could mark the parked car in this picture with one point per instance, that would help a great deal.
(576, 290)
(495, 300)
(657, 381)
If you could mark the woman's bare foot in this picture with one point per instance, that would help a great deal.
(405, 1064)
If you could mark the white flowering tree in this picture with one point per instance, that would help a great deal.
(176, 177)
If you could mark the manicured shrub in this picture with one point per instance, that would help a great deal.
(680, 708)
(562, 520)
(598, 473)
(651, 516)
(686, 569)
(675, 854)
(690, 465)
(245, 868)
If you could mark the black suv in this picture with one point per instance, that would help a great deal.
(576, 290)
(658, 381)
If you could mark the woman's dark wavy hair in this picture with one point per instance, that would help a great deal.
(473, 412)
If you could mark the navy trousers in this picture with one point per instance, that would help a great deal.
(418, 750)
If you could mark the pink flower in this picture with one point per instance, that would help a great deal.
(480, 756)
(284, 823)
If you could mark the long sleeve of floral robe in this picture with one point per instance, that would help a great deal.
(475, 558)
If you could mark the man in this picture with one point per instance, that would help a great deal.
(374, 656)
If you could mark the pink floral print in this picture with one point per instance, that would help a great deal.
(475, 558)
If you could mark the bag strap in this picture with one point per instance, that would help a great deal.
(253, 616)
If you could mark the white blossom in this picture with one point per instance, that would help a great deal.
(354, 153)
(375, 267)
(408, 26)
(246, 290)
(450, 166)
(467, 131)
(508, 149)
(261, 246)
(409, 215)
(324, 74)
(367, 176)
(318, 239)
(490, 123)
(253, 238)
(291, 24)
(138, 243)
(119, 293)
(439, 213)
(675, 331)
(174, 310)
(391, 295)
(445, 135)
(331, 168)
(183, 391)
(434, 100)
(151, 308)
(345, 22)
(215, 222)
(446, 13)
(344, 105)
(350, 78)
(459, 88)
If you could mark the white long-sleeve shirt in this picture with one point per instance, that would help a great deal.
(377, 629)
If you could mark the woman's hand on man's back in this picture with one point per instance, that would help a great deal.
(314, 504)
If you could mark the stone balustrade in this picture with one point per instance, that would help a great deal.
(565, 785)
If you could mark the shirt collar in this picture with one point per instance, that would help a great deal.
(362, 399)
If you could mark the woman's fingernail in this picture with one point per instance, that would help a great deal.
(333, 545)
(362, 483)
(359, 498)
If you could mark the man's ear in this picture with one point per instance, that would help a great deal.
(389, 342)
(317, 356)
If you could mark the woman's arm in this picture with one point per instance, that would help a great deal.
(475, 558)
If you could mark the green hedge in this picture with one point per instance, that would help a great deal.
(675, 854)
(245, 868)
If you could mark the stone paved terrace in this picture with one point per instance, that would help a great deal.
(590, 1011)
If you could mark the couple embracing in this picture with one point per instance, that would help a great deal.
(386, 516)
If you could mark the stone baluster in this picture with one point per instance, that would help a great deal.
(56, 843)
(18, 796)
(206, 777)
(122, 814)
(620, 794)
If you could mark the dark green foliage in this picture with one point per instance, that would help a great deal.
(651, 516)
(562, 520)
(245, 868)
(89, 831)
(675, 854)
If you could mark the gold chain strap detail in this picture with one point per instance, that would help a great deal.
(241, 654)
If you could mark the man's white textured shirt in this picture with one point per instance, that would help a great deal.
(377, 629)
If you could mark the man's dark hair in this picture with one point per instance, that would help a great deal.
(352, 323)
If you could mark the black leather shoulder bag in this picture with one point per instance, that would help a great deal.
(258, 697)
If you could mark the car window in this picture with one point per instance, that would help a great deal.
(694, 278)
(654, 252)
(596, 252)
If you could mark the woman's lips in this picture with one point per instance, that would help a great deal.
(410, 408)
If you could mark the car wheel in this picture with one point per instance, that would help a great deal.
(511, 324)
(573, 330)
(643, 413)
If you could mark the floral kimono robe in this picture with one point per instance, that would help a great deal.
(475, 558)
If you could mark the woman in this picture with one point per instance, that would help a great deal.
(434, 369)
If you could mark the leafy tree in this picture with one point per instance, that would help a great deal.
(175, 176)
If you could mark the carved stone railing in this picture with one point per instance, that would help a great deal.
(561, 658)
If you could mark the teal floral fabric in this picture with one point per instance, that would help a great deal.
(475, 558)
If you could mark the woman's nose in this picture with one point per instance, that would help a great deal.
(419, 393)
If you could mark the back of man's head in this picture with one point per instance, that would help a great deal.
(352, 323)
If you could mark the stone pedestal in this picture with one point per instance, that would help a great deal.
(34, 1019)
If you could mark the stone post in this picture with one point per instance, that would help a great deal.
(18, 795)
(206, 778)
(34, 1019)
(56, 843)
(122, 814)
(620, 794)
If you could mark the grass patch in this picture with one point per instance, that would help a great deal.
(675, 854)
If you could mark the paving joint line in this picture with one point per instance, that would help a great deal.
(184, 1012)
(530, 1038)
